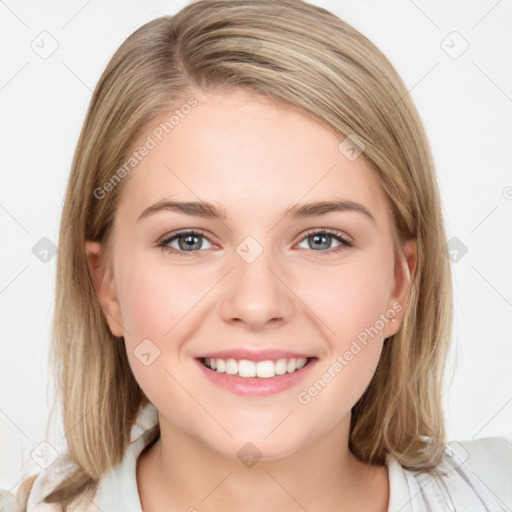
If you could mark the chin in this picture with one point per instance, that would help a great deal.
(253, 446)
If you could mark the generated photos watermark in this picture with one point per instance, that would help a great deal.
(157, 135)
(342, 360)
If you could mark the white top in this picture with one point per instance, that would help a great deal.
(475, 476)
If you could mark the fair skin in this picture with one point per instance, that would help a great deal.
(254, 159)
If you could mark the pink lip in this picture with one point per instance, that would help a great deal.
(256, 386)
(254, 355)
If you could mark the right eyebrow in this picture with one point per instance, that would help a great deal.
(197, 208)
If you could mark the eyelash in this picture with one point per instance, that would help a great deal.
(345, 242)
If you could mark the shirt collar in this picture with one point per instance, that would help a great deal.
(118, 488)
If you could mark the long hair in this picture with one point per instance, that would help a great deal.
(302, 56)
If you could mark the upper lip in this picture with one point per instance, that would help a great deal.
(254, 355)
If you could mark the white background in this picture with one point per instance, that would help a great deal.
(466, 106)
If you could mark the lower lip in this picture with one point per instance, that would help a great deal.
(257, 386)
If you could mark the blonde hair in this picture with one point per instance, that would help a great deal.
(306, 58)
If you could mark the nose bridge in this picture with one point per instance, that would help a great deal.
(255, 295)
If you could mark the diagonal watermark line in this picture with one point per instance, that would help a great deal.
(485, 14)
(76, 75)
(301, 300)
(383, 116)
(304, 195)
(76, 14)
(424, 14)
(13, 424)
(427, 482)
(14, 76)
(13, 217)
(492, 211)
(94, 298)
(10, 491)
(280, 13)
(419, 81)
(409, 502)
(165, 165)
(91, 495)
(421, 484)
(199, 300)
(13, 279)
(218, 13)
(199, 403)
(217, 486)
(286, 491)
(14, 14)
(84, 415)
(503, 407)
(492, 81)
(504, 298)
(408, 91)
(279, 423)
(433, 435)
(505, 507)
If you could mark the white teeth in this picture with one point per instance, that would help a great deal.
(262, 369)
(221, 365)
(292, 365)
(266, 369)
(231, 367)
(301, 362)
(246, 368)
(280, 366)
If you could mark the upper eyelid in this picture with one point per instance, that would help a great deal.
(172, 235)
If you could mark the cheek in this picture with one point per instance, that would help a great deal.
(155, 298)
(156, 304)
(348, 298)
(163, 302)
(351, 302)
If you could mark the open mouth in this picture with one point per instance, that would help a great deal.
(263, 369)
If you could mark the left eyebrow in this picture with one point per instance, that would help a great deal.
(300, 210)
(325, 207)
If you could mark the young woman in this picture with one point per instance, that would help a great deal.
(253, 300)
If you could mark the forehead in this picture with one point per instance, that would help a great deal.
(245, 152)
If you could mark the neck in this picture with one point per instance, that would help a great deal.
(181, 472)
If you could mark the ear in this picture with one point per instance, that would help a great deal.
(104, 285)
(405, 267)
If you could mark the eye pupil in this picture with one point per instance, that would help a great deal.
(190, 241)
(318, 239)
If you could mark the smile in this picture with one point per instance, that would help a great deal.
(244, 377)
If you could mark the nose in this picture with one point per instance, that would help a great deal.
(256, 293)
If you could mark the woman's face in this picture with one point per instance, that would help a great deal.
(257, 285)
